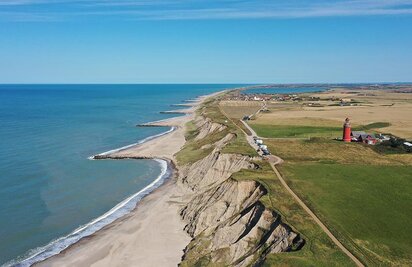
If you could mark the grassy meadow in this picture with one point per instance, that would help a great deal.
(367, 206)
(318, 249)
(294, 131)
(364, 197)
(307, 130)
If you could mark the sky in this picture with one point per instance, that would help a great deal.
(199, 41)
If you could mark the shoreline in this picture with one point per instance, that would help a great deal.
(147, 139)
(89, 229)
(158, 202)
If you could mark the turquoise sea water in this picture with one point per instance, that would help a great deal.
(48, 187)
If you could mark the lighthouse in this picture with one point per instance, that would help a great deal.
(346, 131)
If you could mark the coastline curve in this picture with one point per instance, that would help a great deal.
(60, 244)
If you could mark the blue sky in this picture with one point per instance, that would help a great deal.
(199, 41)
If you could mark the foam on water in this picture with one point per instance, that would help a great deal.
(47, 187)
(124, 207)
(135, 144)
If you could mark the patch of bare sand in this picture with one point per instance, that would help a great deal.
(152, 235)
(162, 147)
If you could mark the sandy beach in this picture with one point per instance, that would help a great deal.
(152, 234)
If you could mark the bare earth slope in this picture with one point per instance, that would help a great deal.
(228, 222)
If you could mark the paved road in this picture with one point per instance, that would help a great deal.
(274, 160)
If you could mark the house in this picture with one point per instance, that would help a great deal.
(356, 134)
(361, 136)
(367, 139)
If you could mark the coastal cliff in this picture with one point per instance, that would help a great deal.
(226, 218)
(217, 212)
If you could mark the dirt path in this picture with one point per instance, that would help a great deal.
(274, 160)
(314, 217)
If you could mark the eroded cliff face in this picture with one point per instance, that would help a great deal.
(213, 169)
(207, 126)
(228, 222)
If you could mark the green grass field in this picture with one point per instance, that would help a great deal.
(295, 131)
(363, 196)
(306, 131)
(369, 207)
(318, 249)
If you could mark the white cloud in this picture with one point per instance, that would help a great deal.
(201, 9)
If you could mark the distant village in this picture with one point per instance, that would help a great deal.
(308, 100)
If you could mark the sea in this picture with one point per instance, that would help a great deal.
(51, 193)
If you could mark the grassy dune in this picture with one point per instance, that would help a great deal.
(195, 150)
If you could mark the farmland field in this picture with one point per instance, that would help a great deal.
(364, 197)
(312, 128)
(296, 131)
(369, 206)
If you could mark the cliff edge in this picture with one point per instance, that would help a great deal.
(226, 218)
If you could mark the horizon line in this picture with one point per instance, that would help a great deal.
(225, 83)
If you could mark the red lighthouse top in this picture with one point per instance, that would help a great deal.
(346, 131)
